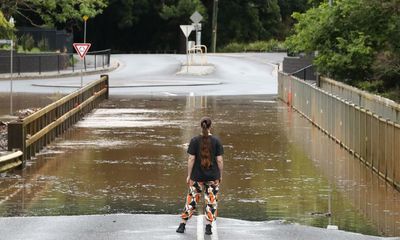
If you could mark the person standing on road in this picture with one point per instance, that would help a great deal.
(205, 165)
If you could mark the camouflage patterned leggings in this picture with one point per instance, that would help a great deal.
(210, 197)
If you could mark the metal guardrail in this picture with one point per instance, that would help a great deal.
(198, 50)
(381, 106)
(35, 131)
(10, 160)
(66, 62)
(371, 138)
(154, 52)
(306, 73)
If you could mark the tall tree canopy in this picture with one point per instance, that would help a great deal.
(247, 20)
(52, 12)
(356, 40)
(154, 24)
(130, 25)
(142, 24)
(6, 30)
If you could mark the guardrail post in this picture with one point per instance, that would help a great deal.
(73, 63)
(107, 85)
(40, 65)
(16, 138)
(19, 65)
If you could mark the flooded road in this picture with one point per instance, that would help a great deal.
(129, 156)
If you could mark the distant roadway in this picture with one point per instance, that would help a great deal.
(150, 74)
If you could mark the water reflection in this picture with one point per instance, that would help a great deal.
(22, 101)
(130, 157)
(362, 189)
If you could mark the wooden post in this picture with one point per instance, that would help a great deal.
(107, 85)
(16, 138)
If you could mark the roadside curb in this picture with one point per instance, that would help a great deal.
(64, 75)
(135, 86)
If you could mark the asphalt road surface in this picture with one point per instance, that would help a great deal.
(121, 227)
(232, 74)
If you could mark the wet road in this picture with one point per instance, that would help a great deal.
(238, 74)
(129, 157)
(149, 226)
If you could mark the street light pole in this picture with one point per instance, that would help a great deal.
(12, 22)
(11, 78)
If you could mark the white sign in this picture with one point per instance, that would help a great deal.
(196, 17)
(82, 48)
(5, 41)
(187, 29)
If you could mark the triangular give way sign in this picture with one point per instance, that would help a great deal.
(82, 48)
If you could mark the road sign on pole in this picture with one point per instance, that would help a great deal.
(187, 29)
(196, 17)
(82, 48)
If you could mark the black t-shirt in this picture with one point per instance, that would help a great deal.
(200, 174)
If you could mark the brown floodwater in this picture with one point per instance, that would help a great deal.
(129, 156)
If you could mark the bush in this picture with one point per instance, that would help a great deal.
(43, 44)
(27, 42)
(259, 46)
(234, 47)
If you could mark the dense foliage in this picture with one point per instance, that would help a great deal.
(51, 12)
(137, 25)
(6, 30)
(154, 24)
(356, 41)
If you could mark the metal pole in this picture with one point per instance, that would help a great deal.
(187, 55)
(11, 77)
(330, 3)
(81, 77)
(214, 27)
(84, 33)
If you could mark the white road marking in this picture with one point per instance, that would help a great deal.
(200, 231)
(170, 94)
(214, 236)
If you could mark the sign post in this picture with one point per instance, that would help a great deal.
(187, 29)
(196, 19)
(6, 41)
(85, 18)
(82, 49)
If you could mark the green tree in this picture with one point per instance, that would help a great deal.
(52, 12)
(248, 21)
(181, 10)
(6, 30)
(287, 7)
(348, 37)
(178, 12)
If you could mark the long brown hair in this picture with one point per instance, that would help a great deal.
(205, 152)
